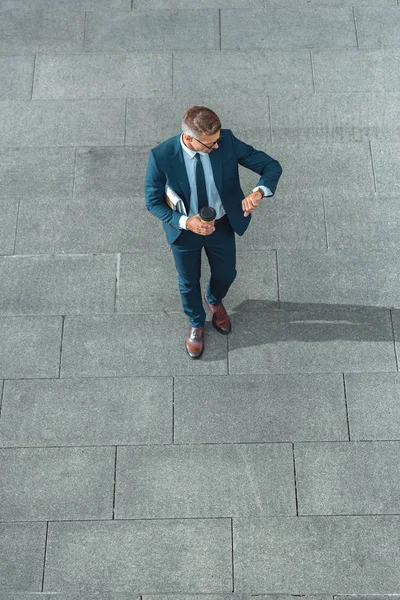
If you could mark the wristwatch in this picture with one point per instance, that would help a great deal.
(260, 190)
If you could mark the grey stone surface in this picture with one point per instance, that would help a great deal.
(104, 173)
(137, 344)
(365, 277)
(396, 329)
(167, 556)
(205, 481)
(16, 76)
(27, 32)
(152, 30)
(72, 596)
(235, 72)
(66, 5)
(22, 548)
(386, 163)
(179, 4)
(260, 408)
(256, 280)
(312, 554)
(362, 221)
(77, 412)
(342, 478)
(8, 224)
(294, 220)
(372, 70)
(103, 75)
(32, 173)
(30, 346)
(40, 484)
(57, 285)
(311, 339)
(281, 27)
(312, 3)
(62, 123)
(373, 405)
(234, 596)
(153, 120)
(322, 167)
(148, 282)
(377, 27)
(82, 225)
(340, 117)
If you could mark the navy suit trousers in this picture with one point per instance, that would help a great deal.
(220, 249)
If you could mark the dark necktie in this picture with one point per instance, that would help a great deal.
(202, 199)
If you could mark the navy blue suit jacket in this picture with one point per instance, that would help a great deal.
(166, 166)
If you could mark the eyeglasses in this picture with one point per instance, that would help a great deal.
(209, 147)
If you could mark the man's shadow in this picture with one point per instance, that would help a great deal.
(263, 323)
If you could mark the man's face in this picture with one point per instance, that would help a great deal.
(196, 144)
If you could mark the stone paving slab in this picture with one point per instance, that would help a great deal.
(151, 30)
(78, 412)
(372, 70)
(377, 27)
(39, 484)
(336, 117)
(294, 220)
(311, 339)
(256, 280)
(150, 556)
(260, 408)
(69, 596)
(340, 167)
(386, 163)
(83, 122)
(347, 478)
(103, 75)
(200, 4)
(137, 344)
(57, 285)
(373, 405)
(149, 281)
(27, 32)
(153, 120)
(36, 173)
(81, 226)
(234, 72)
(396, 328)
(366, 277)
(362, 221)
(30, 346)
(314, 3)
(16, 77)
(22, 547)
(205, 481)
(313, 553)
(283, 28)
(104, 173)
(66, 5)
(8, 224)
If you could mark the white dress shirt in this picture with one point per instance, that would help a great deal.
(214, 199)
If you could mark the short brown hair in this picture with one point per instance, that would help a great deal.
(200, 120)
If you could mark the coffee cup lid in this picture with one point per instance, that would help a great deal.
(208, 213)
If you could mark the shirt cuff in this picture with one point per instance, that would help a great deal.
(267, 191)
(182, 222)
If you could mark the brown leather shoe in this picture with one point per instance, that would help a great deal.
(220, 318)
(195, 342)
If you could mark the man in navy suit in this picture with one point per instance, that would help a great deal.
(201, 166)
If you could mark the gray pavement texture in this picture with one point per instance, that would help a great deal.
(269, 468)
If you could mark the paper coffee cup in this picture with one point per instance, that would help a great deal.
(207, 215)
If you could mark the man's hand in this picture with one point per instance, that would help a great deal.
(194, 224)
(250, 203)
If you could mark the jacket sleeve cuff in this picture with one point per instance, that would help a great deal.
(267, 191)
